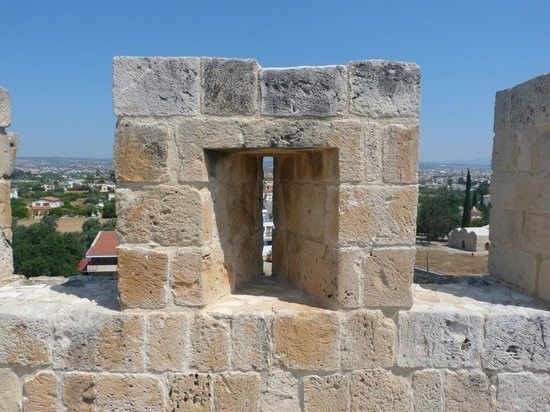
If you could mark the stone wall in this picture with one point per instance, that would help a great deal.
(520, 187)
(189, 141)
(8, 148)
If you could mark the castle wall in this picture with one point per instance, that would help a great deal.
(520, 187)
(8, 148)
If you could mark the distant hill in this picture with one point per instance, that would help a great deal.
(26, 162)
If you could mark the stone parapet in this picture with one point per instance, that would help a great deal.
(459, 347)
(520, 194)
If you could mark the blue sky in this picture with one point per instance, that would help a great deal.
(57, 57)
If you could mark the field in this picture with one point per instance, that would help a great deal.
(451, 261)
(64, 225)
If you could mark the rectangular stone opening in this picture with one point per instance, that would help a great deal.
(305, 215)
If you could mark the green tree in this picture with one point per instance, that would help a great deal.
(92, 227)
(109, 210)
(467, 207)
(39, 250)
(19, 208)
(438, 213)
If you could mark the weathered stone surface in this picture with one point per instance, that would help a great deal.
(230, 87)
(5, 108)
(523, 392)
(380, 390)
(279, 392)
(210, 344)
(530, 103)
(112, 392)
(10, 391)
(535, 232)
(326, 394)
(6, 258)
(377, 215)
(141, 151)
(250, 336)
(400, 160)
(8, 150)
(304, 91)
(543, 286)
(502, 110)
(236, 392)
(384, 89)
(5, 205)
(428, 390)
(510, 232)
(512, 265)
(142, 277)
(95, 341)
(368, 340)
(467, 391)
(156, 86)
(373, 136)
(25, 340)
(516, 341)
(40, 392)
(387, 277)
(168, 215)
(307, 340)
(440, 339)
(167, 344)
(198, 276)
(190, 392)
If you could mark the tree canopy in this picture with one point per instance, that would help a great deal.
(438, 213)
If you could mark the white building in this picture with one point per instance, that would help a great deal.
(472, 239)
(14, 193)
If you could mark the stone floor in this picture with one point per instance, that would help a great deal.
(481, 295)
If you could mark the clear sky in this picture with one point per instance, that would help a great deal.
(56, 57)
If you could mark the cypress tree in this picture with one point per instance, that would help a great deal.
(467, 213)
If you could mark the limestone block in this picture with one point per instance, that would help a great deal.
(110, 392)
(307, 340)
(236, 392)
(6, 258)
(502, 110)
(384, 89)
(198, 276)
(374, 136)
(25, 340)
(168, 340)
(428, 390)
(210, 344)
(506, 151)
(141, 151)
(543, 286)
(350, 276)
(530, 103)
(230, 87)
(387, 277)
(326, 394)
(505, 190)
(467, 390)
(401, 154)
(368, 340)
(142, 277)
(512, 265)
(10, 391)
(168, 215)
(535, 232)
(40, 392)
(156, 86)
(5, 205)
(97, 341)
(380, 390)
(5, 108)
(279, 392)
(377, 215)
(516, 341)
(506, 226)
(533, 191)
(522, 392)
(442, 339)
(250, 337)
(8, 150)
(190, 392)
(304, 91)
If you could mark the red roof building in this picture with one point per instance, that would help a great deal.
(101, 258)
